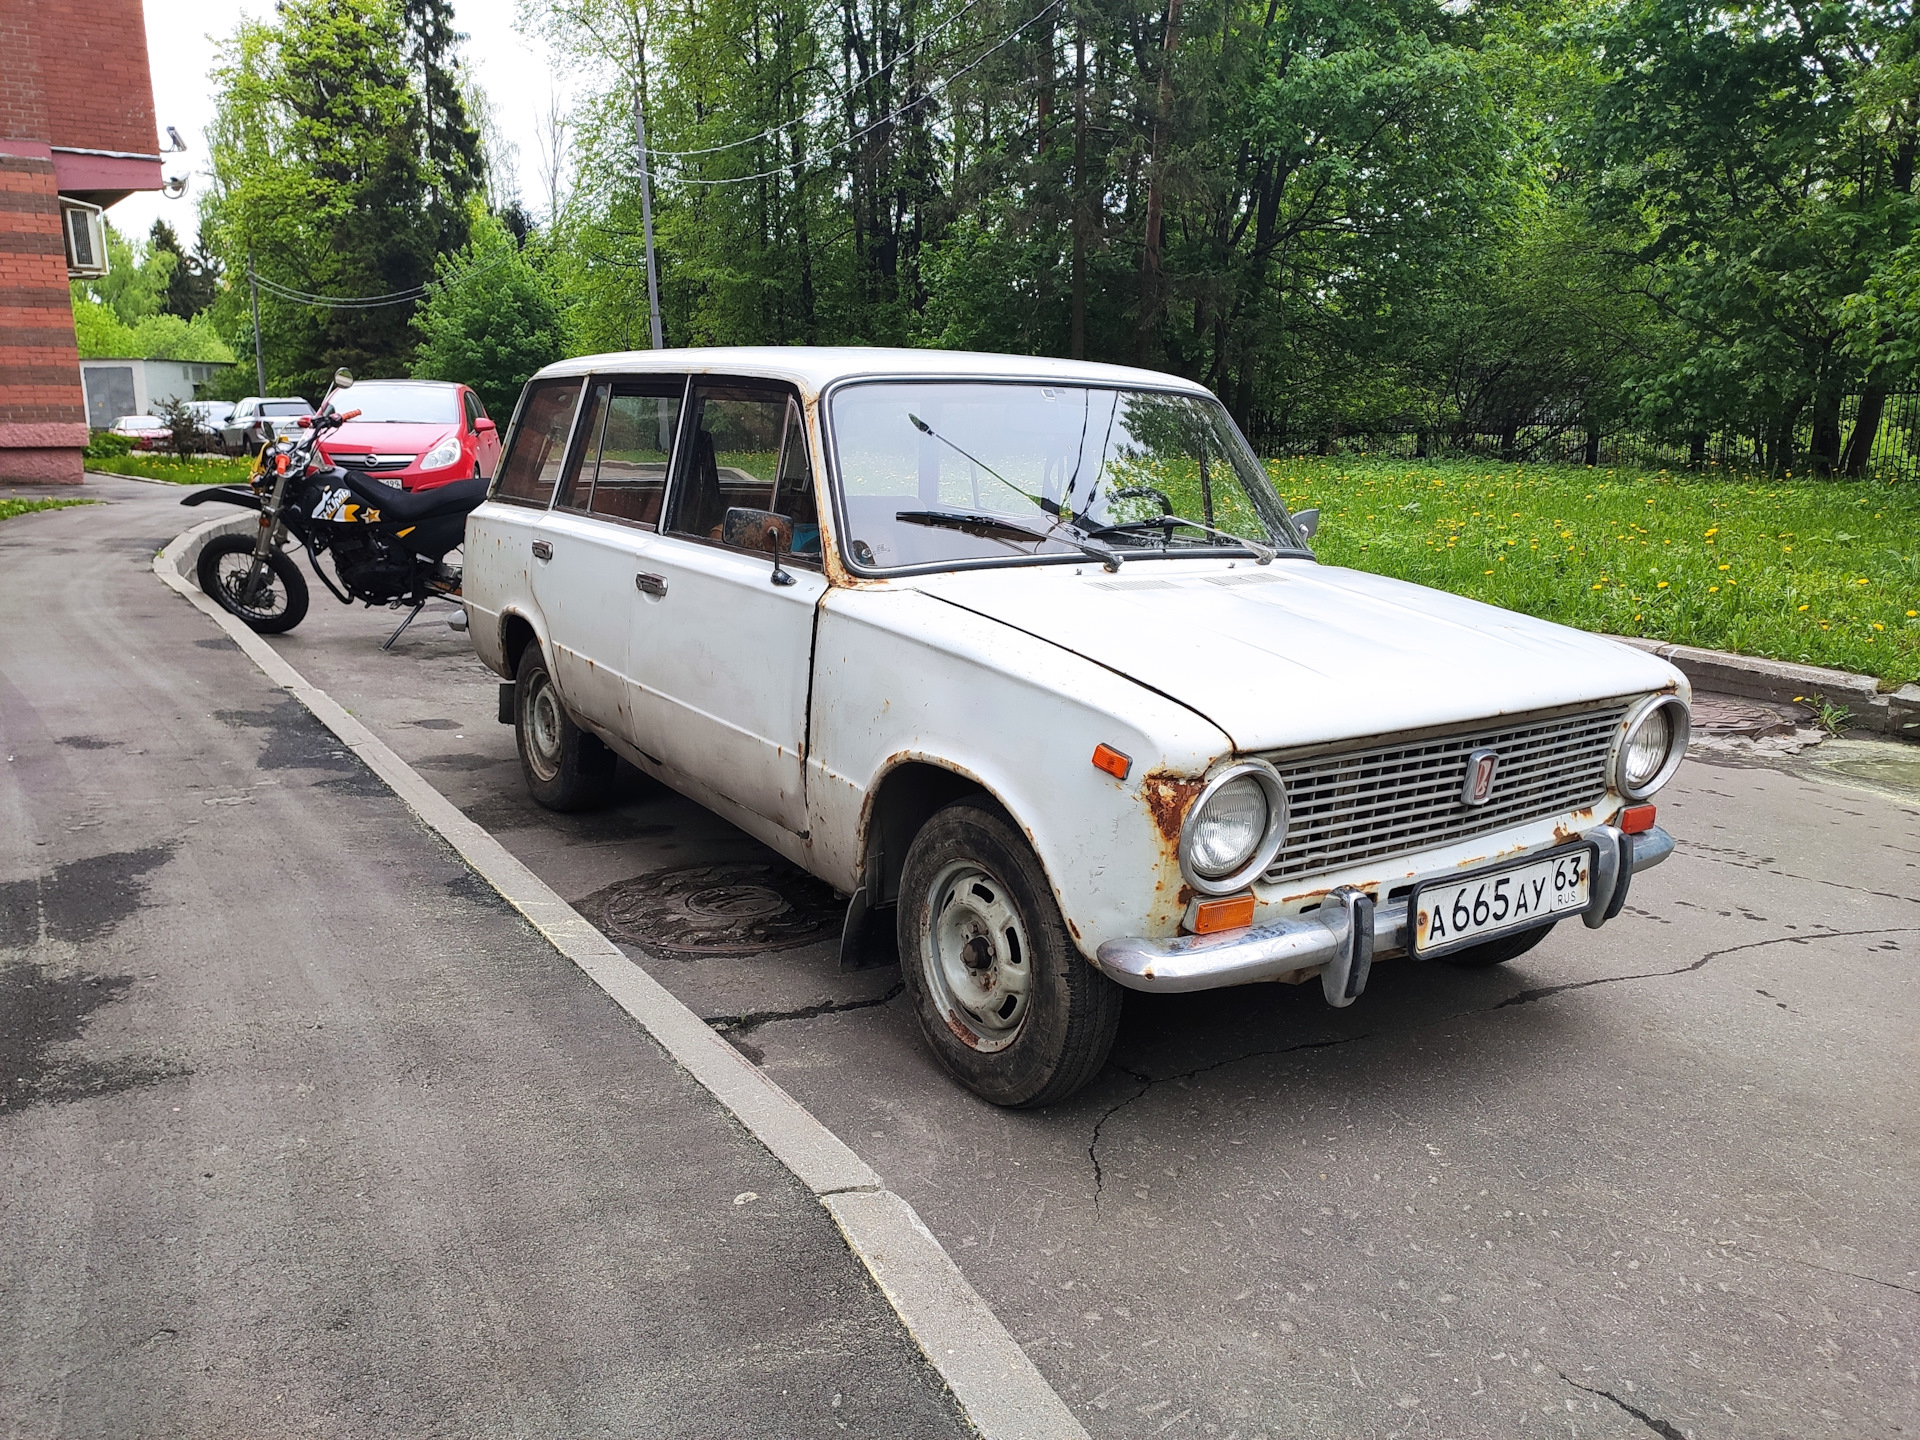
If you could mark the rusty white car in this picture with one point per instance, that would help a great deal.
(1027, 658)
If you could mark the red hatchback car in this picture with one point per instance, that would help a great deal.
(414, 434)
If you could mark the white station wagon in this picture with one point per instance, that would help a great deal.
(1027, 658)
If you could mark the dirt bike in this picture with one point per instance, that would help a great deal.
(388, 546)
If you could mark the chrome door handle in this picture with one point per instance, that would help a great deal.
(650, 584)
(542, 550)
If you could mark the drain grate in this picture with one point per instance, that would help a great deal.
(720, 909)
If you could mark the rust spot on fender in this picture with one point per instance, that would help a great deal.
(1168, 796)
(1073, 927)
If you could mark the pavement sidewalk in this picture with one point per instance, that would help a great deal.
(303, 1129)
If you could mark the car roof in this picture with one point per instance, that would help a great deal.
(814, 368)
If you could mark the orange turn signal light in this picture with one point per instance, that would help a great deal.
(1233, 913)
(1106, 758)
(1636, 818)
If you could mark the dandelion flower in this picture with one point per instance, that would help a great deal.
(1862, 582)
(1803, 607)
(1713, 589)
(1661, 586)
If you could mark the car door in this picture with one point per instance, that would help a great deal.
(486, 437)
(722, 650)
(601, 524)
(233, 433)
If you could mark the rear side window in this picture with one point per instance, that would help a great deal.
(539, 446)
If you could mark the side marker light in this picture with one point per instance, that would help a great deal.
(1233, 913)
(1106, 758)
(1636, 818)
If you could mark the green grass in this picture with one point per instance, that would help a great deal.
(1818, 572)
(11, 508)
(201, 470)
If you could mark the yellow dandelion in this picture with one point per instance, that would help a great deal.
(1661, 586)
(1713, 589)
(1803, 607)
(1863, 582)
(1878, 626)
(1723, 567)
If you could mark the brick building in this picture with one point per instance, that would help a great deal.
(76, 123)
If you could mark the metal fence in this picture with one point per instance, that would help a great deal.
(1565, 441)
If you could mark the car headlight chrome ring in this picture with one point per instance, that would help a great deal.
(441, 455)
(1651, 746)
(1234, 828)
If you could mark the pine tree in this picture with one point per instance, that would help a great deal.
(450, 148)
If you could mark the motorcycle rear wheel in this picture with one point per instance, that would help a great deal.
(278, 605)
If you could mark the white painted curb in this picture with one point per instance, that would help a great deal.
(996, 1384)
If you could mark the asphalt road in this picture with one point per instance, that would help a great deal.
(1655, 1180)
(303, 1130)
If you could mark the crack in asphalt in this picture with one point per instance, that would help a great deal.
(1524, 997)
(1659, 1427)
(1527, 997)
(746, 1024)
(1147, 1082)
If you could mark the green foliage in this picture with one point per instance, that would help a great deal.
(1818, 572)
(102, 335)
(330, 173)
(490, 320)
(10, 508)
(201, 470)
(194, 283)
(105, 445)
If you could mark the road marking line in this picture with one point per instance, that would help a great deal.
(998, 1387)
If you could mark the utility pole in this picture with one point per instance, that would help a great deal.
(259, 359)
(646, 210)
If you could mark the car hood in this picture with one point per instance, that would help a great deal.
(1295, 653)
(386, 437)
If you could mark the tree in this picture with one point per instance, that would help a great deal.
(1764, 152)
(195, 281)
(450, 149)
(489, 321)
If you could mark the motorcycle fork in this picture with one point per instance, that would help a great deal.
(272, 533)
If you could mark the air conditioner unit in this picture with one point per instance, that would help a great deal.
(86, 236)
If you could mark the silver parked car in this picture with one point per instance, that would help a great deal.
(259, 419)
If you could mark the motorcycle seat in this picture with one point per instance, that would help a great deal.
(416, 505)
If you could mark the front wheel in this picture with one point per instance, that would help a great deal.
(279, 601)
(566, 768)
(1005, 999)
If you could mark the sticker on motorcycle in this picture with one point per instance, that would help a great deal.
(341, 507)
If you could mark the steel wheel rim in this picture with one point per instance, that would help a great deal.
(975, 956)
(269, 599)
(543, 727)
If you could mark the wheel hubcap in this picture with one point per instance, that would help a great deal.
(975, 956)
(543, 728)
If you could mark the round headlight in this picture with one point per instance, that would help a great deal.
(1235, 828)
(1652, 748)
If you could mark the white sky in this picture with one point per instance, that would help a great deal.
(181, 35)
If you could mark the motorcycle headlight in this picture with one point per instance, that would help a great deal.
(1235, 828)
(442, 455)
(1652, 747)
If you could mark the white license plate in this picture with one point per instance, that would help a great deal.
(1498, 902)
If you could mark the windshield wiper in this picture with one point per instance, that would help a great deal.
(1262, 554)
(978, 524)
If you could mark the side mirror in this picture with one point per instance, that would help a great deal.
(759, 530)
(484, 426)
(1306, 522)
(343, 379)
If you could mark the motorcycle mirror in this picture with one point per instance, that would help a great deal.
(343, 379)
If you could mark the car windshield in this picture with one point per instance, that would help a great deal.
(946, 472)
(401, 404)
(140, 422)
(284, 407)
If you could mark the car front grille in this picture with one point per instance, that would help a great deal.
(1396, 797)
(373, 464)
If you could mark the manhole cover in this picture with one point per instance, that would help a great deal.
(720, 909)
(1724, 715)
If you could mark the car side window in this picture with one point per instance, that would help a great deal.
(473, 408)
(746, 447)
(538, 448)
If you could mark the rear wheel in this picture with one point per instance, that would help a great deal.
(1497, 952)
(566, 768)
(278, 602)
(1005, 999)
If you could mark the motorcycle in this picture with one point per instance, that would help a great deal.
(388, 546)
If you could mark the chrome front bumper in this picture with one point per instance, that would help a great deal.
(1339, 936)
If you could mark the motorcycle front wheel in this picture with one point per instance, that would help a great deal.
(279, 602)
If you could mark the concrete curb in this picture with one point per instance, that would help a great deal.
(997, 1386)
(1895, 712)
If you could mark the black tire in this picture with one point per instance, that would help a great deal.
(978, 922)
(279, 604)
(1497, 952)
(566, 768)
